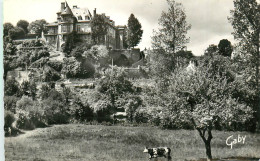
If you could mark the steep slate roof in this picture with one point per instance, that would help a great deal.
(67, 10)
(83, 12)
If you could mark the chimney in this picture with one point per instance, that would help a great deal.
(75, 6)
(62, 6)
(95, 12)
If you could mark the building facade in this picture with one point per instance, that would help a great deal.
(79, 20)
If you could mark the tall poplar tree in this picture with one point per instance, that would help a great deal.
(245, 20)
(170, 38)
(172, 34)
(135, 31)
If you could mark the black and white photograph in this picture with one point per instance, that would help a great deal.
(131, 80)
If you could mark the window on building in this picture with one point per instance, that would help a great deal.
(87, 18)
(68, 28)
(78, 28)
(79, 18)
(65, 28)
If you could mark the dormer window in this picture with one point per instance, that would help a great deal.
(87, 17)
(79, 18)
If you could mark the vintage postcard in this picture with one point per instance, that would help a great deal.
(132, 80)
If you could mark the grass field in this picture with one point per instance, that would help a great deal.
(117, 143)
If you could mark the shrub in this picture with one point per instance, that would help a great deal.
(32, 43)
(10, 49)
(70, 42)
(83, 112)
(103, 115)
(9, 119)
(39, 63)
(44, 92)
(54, 111)
(11, 87)
(103, 110)
(36, 55)
(114, 85)
(23, 60)
(77, 52)
(29, 88)
(56, 65)
(10, 103)
(29, 113)
(16, 33)
(75, 69)
(50, 74)
(130, 103)
(141, 115)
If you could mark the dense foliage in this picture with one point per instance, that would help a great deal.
(24, 25)
(172, 34)
(37, 27)
(245, 21)
(99, 29)
(70, 42)
(75, 69)
(135, 32)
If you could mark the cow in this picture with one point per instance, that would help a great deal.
(158, 152)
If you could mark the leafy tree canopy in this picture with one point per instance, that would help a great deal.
(245, 21)
(16, 33)
(211, 50)
(23, 24)
(171, 35)
(225, 47)
(135, 31)
(37, 27)
(98, 28)
(7, 26)
(203, 98)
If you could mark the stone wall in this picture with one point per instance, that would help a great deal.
(132, 55)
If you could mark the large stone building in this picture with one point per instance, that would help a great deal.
(79, 20)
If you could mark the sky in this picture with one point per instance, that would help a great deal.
(208, 18)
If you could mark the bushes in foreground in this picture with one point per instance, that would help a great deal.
(29, 114)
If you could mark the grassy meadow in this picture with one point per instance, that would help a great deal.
(120, 143)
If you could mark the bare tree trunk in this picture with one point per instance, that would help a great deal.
(206, 141)
(257, 82)
(208, 150)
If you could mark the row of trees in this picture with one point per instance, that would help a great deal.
(22, 28)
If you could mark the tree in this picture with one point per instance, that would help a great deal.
(184, 57)
(44, 92)
(202, 98)
(29, 88)
(37, 27)
(98, 28)
(9, 64)
(161, 64)
(98, 54)
(66, 93)
(245, 21)
(225, 48)
(11, 87)
(24, 25)
(135, 31)
(16, 33)
(75, 69)
(7, 26)
(172, 34)
(115, 85)
(70, 42)
(211, 50)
